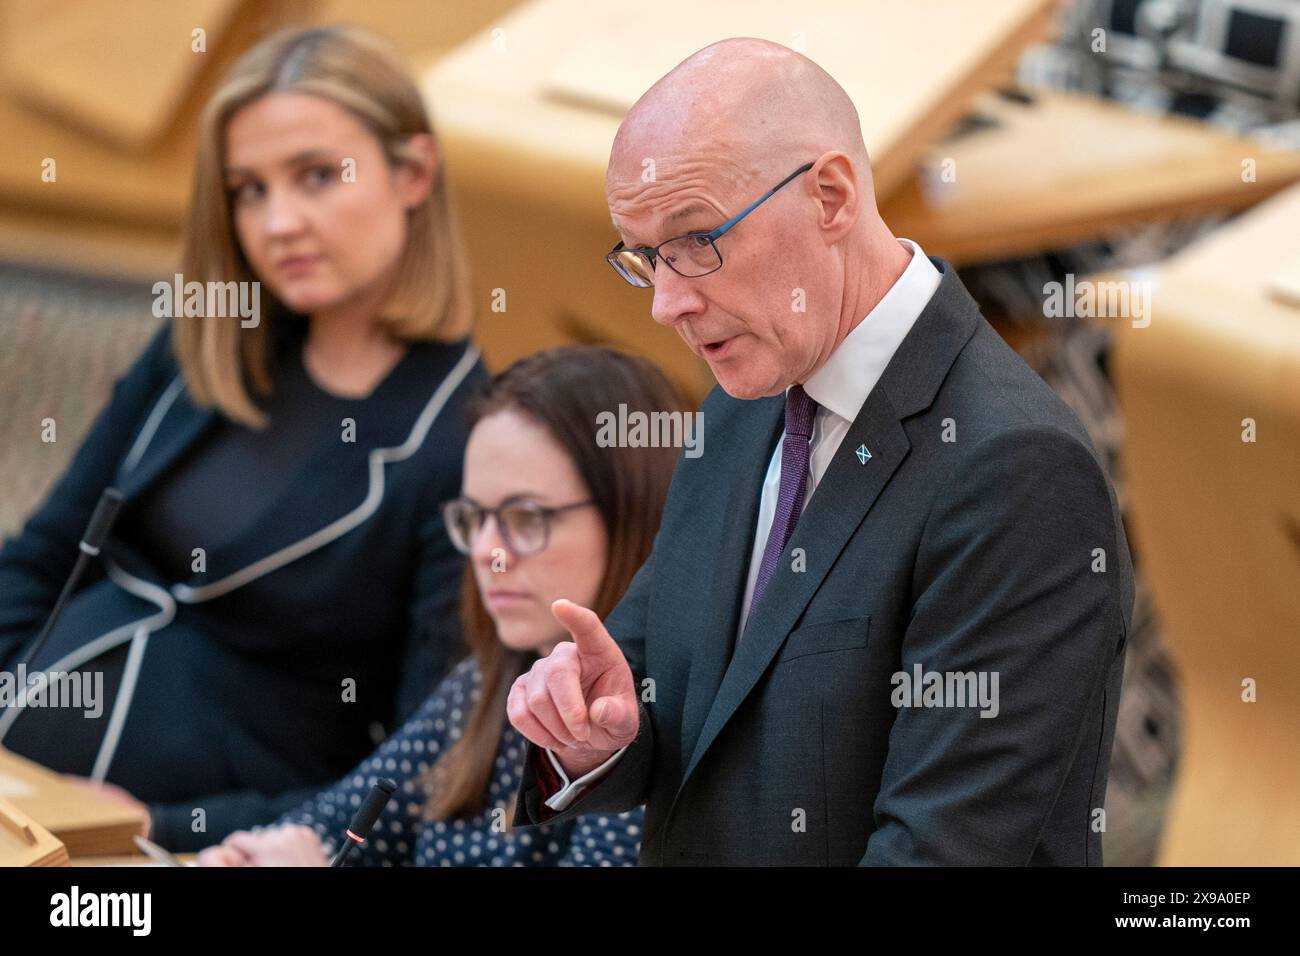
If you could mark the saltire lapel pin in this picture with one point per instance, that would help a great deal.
(863, 454)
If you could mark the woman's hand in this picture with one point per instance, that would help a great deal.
(292, 845)
(117, 795)
(220, 855)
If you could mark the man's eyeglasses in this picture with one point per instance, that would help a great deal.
(525, 526)
(692, 255)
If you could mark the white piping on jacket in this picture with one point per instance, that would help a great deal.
(336, 529)
(138, 631)
(106, 642)
(125, 693)
(151, 423)
(134, 660)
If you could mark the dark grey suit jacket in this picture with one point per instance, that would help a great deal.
(972, 540)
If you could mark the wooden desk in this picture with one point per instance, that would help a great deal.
(124, 172)
(1216, 524)
(528, 109)
(1069, 167)
(86, 823)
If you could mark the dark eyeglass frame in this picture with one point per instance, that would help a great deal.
(712, 235)
(517, 502)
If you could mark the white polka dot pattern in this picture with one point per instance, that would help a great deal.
(402, 838)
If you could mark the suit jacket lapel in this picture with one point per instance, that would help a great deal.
(708, 643)
(840, 502)
(838, 505)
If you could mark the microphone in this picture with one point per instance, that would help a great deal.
(365, 818)
(96, 534)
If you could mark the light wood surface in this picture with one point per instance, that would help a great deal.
(24, 842)
(85, 822)
(548, 84)
(528, 108)
(124, 171)
(1069, 167)
(1216, 524)
(117, 70)
(869, 46)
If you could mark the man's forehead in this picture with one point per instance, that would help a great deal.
(670, 195)
(669, 222)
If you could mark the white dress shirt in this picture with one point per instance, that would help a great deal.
(840, 388)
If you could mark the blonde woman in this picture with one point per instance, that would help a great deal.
(278, 589)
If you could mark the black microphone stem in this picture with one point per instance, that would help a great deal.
(96, 533)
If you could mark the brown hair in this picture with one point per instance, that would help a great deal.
(564, 389)
(430, 299)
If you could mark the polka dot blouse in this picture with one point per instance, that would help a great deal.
(402, 837)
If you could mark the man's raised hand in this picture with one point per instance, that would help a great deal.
(578, 701)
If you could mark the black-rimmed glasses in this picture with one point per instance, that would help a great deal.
(525, 526)
(692, 255)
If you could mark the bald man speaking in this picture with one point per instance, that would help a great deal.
(883, 621)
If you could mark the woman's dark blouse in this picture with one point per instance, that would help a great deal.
(343, 615)
(243, 468)
(402, 837)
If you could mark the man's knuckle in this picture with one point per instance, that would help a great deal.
(537, 696)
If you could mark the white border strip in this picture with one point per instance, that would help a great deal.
(137, 632)
(106, 642)
(125, 694)
(151, 424)
(374, 496)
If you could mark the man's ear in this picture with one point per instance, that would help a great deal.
(421, 159)
(836, 193)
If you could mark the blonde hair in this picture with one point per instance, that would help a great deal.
(225, 364)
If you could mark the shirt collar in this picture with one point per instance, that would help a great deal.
(847, 377)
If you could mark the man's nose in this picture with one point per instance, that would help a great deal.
(676, 297)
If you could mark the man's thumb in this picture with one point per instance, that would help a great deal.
(615, 715)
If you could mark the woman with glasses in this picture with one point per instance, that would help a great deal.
(545, 513)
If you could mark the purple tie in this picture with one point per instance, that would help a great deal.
(799, 412)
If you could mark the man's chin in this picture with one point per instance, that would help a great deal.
(737, 385)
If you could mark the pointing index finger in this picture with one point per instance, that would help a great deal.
(585, 626)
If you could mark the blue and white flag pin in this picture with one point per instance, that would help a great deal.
(863, 454)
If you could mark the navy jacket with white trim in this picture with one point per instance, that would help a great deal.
(228, 692)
